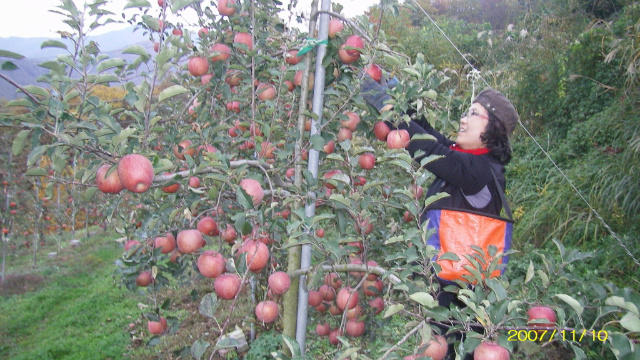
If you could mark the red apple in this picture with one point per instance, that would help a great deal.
(177, 31)
(297, 79)
(436, 348)
(372, 287)
(328, 175)
(374, 71)
(323, 329)
(170, 189)
(398, 139)
(367, 161)
(135, 172)
(130, 243)
(490, 351)
(144, 279)
(223, 52)
(208, 226)
(198, 66)
(355, 328)
(211, 264)
(190, 241)
(542, 313)
(347, 298)
(333, 279)
(329, 147)
(335, 26)
(254, 189)
(183, 148)
(352, 122)
(266, 91)
(203, 32)
(279, 282)
(416, 191)
(225, 7)
(243, 38)
(157, 327)
(291, 57)
(168, 244)
(257, 255)
(194, 182)
(227, 286)
(229, 234)
(233, 106)
(108, 184)
(344, 134)
(355, 42)
(320, 233)
(267, 311)
(333, 336)
(345, 57)
(328, 292)
(354, 313)
(315, 298)
(381, 130)
(377, 304)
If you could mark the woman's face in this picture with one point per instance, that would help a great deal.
(472, 125)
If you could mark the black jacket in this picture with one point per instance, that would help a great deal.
(465, 177)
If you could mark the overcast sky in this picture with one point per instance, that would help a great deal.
(32, 18)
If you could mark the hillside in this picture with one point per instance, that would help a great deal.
(111, 43)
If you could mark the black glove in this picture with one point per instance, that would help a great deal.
(373, 93)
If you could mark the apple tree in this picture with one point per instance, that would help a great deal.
(203, 168)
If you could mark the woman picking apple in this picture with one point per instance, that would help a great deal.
(471, 171)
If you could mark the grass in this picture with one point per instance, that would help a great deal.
(69, 307)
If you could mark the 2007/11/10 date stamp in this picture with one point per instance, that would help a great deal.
(555, 334)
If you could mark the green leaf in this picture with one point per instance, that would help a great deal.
(36, 90)
(9, 66)
(209, 305)
(151, 22)
(424, 299)
(10, 54)
(412, 71)
(19, 142)
(89, 193)
(292, 344)
(110, 64)
(53, 44)
(137, 3)
(244, 199)
(631, 322)
(36, 154)
(136, 49)
(347, 353)
(530, 272)
(433, 198)
(172, 91)
(36, 172)
(341, 199)
(619, 301)
(395, 308)
(123, 135)
(449, 256)
(181, 4)
(198, 348)
(571, 302)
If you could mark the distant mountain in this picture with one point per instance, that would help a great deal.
(111, 43)
(30, 47)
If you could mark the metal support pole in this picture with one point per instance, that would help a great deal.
(310, 208)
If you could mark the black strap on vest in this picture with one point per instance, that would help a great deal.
(505, 204)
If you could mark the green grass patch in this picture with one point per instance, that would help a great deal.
(75, 310)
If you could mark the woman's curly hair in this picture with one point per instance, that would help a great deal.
(496, 138)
